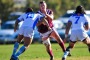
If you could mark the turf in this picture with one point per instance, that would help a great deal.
(38, 52)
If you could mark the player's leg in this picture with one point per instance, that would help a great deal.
(28, 36)
(16, 45)
(27, 42)
(56, 36)
(73, 39)
(19, 38)
(83, 36)
(48, 48)
(87, 42)
(71, 45)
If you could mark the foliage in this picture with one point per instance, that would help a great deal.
(59, 7)
(5, 8)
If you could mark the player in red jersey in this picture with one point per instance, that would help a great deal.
(47, 30)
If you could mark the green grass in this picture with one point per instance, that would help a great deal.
(38, 52)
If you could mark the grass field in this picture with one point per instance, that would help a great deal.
(38, 52)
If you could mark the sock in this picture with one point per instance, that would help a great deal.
(21, 50)
(16, 45)
(66, 52)
(68, 48)
(50, 53)
(62, 46)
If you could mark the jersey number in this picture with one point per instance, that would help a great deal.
(77, 19)
(30, 15)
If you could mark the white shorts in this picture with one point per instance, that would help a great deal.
(44, 35)
(26, 32)
(78, 35)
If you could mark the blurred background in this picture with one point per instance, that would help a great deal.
(10, 10)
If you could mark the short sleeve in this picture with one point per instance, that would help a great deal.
(50, 12)
(21, 18)
(40, 16)
(87, 20)
(70, 19)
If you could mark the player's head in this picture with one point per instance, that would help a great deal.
(42, 5)
(29, 10)
(80, 9)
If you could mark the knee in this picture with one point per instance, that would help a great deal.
(86, 41)
(71, 46)
(26, 46)
(47, 43)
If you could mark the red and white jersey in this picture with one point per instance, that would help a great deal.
(78, 21)
(30, 19)
(48, 12)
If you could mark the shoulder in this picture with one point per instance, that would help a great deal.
(86, 16)
(49, 11)
(38, 12)
(23, 15)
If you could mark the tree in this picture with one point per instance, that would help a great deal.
(5, 8)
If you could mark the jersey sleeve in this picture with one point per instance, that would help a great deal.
(21, 18)
(50, 12)
(70, 19)
(40, 16)
(87, 20)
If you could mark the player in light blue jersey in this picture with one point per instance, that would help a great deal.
(26, 31)
(79, 23)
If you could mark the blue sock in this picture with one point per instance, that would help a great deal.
(21, 50)
(16, 45)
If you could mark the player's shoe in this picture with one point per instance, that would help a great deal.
(69, 54)
(66, 53)
(14, 58)
(52, 58)
(63, 58)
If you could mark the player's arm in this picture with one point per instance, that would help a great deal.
(68, 28)
(86, 26)
(50, 15)
(87, 23)
(17, 21)
(45, 21)
(16, 25)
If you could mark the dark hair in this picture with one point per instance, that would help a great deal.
(29, 10)
(80, 9)
(42, 2)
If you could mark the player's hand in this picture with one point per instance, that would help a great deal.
(15, 29)
(44, 11)
(64, 40)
